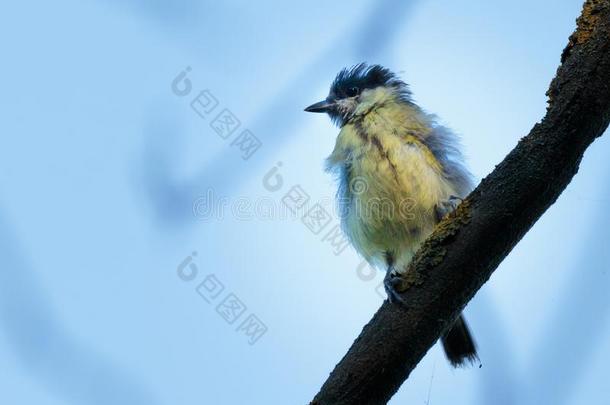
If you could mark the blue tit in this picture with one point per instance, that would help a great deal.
(399, 172)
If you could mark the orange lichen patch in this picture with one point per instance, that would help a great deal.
(585, 25)
(588, 20)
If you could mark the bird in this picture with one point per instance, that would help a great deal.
(399, 172)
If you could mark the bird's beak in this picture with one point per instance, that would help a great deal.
(320, 107)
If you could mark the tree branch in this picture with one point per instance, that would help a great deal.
(466, 247)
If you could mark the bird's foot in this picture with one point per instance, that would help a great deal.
(395, 284)
(455, 200)
(447, 206)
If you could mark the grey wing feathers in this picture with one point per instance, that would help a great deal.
(445, 145)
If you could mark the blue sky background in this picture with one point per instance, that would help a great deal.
(101, 163)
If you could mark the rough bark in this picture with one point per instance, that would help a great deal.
(469, 244)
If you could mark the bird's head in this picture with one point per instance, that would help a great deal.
(360, 89)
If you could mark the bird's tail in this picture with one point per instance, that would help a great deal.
(458, 344)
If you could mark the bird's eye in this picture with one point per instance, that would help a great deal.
(353, 91)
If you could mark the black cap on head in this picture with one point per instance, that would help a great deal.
(350, 83)
(352, 80)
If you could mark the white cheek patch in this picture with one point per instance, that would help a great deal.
(347, 106)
